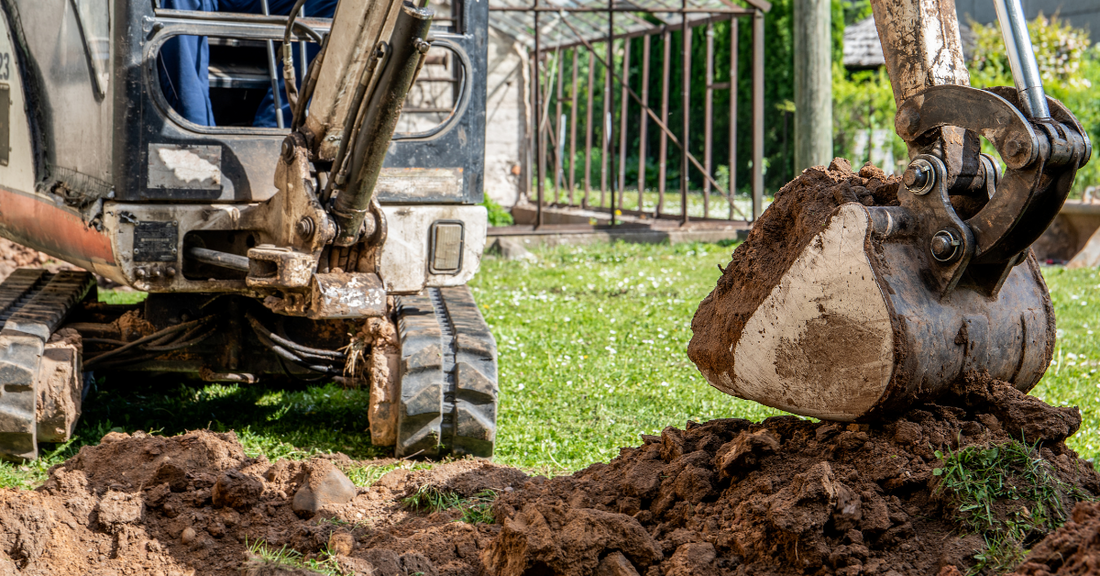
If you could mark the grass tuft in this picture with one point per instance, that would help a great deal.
(325, 562)
(365, 476)
(475, 510)
(1006, 493)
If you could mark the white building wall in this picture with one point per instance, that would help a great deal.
(505, 145)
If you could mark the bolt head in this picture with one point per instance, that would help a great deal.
(288, 149)
(914, 177)
(945, 246)
(919, 177)
(305, 227)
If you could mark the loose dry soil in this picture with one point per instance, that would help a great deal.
(782, 496)
(726, 497)
(14, 256)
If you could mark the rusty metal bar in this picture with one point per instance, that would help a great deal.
(622, 121)
(605, 141)
(757, 114)
(537, 81)
(558, 145)
(643, 123)
(733, 114)
(609, 105)
(708, 120)
(655, 30)
(573, 130)
(662, 150)
(735, 11)
(653, 115)
(588, 129)
(685, 94)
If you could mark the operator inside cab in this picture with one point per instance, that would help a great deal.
(184, 61)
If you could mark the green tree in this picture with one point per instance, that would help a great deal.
(1069, 63)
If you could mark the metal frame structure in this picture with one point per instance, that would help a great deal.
(580, 25)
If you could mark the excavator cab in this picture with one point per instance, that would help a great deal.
(335, 244)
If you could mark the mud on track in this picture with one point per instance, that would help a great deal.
(783, 496)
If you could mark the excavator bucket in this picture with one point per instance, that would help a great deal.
(857, 294)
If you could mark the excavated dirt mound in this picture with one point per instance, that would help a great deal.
(1073, 550)
(783, 496)
(14, 256)
(800, 211)
(188, 504)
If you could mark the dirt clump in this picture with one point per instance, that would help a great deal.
(1072, 550)
(14, 256)
(783, 496)
(195, 504)
(800, 211)
(727, 497)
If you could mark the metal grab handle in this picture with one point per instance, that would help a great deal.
(272, 72)
(459, 110)
(1021, 58)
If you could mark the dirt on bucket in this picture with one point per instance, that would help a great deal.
(800, 211)
(728, 497)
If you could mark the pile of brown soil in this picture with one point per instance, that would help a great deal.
(14, 256)
(800, 211)
(783, 496)
(192, 504)
(1073, 550)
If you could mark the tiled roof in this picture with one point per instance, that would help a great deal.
(862, 48)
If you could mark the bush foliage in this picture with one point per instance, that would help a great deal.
(1069, 63)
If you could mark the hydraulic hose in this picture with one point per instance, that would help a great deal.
(409, 46)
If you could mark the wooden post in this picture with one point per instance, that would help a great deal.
(813, 93)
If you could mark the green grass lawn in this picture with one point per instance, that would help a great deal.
(1073, 378)
(593, 349)
(592, 353)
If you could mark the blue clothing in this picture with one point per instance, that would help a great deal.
(184, 61)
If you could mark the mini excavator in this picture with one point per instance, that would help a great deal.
(891, 305)
(331, 247)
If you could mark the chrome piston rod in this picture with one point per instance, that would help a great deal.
(1021, 58)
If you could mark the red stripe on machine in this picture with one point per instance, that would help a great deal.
(52, 229)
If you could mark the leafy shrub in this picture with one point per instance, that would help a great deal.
(498, 215)
(1070, 67)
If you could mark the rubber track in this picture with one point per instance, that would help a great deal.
(449, 393)
(33, 303)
